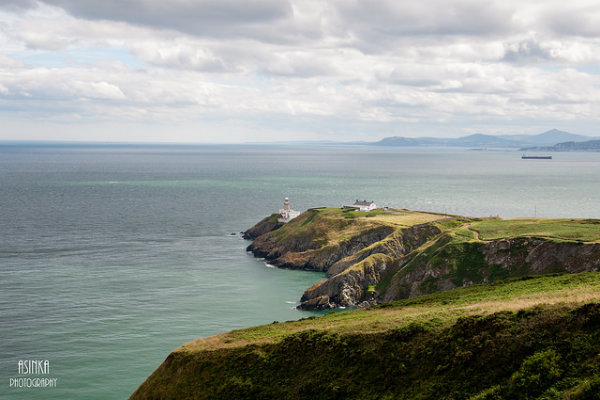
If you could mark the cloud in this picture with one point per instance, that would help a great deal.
(177, 54)
(98, 90)
(334, 66)
(18, 5)
(531, 50)
(178, 12)
(580, 18)
(527, 51)
(203, 17)
(393, 18)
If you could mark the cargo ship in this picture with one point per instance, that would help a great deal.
(525, 157)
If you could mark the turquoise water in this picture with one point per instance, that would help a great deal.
(112, 257)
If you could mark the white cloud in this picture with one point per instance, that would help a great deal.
(98, 90)
(177, 54)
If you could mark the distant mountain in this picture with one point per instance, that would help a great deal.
(476, 140)
(399, 141)
(590, 145)
(480, 140)
(548, 138)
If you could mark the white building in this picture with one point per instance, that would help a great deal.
(287, 214)
(363, 205)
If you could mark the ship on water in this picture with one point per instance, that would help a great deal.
(526, 157)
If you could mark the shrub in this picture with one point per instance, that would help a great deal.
(588, 390)
(537, 373)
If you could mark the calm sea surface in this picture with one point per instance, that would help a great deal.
(112, 257)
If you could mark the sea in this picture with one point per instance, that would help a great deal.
(112, 256)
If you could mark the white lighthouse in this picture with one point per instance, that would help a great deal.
(286, 213)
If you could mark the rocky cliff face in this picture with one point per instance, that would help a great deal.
(302, 251)
(463, 264)
(350, 280)
(348, 288)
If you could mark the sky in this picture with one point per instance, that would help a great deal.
(225, 71)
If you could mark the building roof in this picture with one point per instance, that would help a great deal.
(363, 203)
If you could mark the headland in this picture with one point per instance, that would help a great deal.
(390, 254)
(458, 307)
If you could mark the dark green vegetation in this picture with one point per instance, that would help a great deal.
(531, 338)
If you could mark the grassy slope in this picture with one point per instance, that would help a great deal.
(530, 338)
(580, 230)
(441, 308)
(338, 225)
(332, 225)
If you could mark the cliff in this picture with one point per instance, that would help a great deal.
(528, 338)
(265, 225)
(383, 256)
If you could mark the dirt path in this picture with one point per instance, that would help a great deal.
(468, 226)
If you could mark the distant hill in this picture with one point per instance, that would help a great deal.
(399, 141)
(480, 140)
(590, 145)
(548, 138)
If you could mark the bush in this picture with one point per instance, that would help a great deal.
(537, 373)
(588, 390)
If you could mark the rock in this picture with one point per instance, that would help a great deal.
(350, 287)
(266, 225)
(317, 303)
(500, 259)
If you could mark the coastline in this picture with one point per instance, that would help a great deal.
(378, 257)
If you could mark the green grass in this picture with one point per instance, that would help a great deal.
(506, 291)
(581, 230)
(349, 213)
(273, 219)
(310, 217)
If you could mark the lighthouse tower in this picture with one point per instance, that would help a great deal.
(286, 213)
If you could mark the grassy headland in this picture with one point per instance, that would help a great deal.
(531, 338)
(385, 255)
